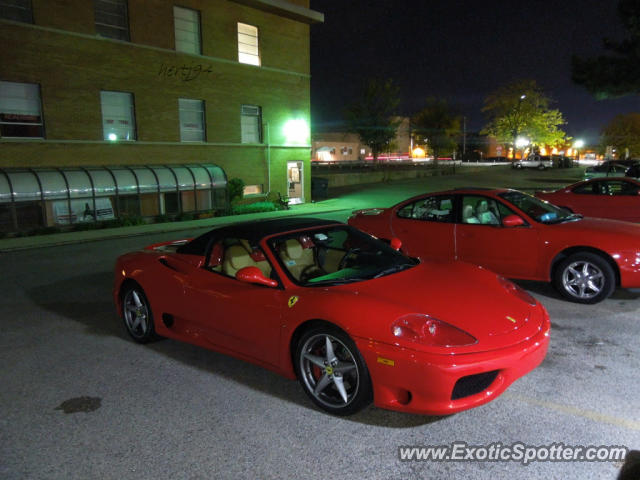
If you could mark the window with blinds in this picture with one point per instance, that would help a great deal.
(187, 30)
(20, 110)
(251, 124)
(118, 117)
(112, 19)
(192, 120)
(248, 51)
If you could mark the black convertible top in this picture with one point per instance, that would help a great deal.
(253, 231)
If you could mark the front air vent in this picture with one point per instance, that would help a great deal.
(472, 384)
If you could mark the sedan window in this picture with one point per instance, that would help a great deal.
(539, 210)
(433, 209)
(588, 188)
(480, 210)
(621, 188)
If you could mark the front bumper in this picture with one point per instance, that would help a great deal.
(430, 384)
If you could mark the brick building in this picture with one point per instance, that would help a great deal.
(147, 105)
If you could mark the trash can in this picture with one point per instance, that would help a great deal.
(319, 188)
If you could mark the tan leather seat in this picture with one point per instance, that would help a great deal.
(235, 258)
(296, 258)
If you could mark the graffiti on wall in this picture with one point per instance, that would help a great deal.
(184, 72)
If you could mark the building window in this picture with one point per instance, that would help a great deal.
(192, 123)
(252, 190)
(112, 19)
(187, 30)
(20, 110)
(251, 124)
(118, 118)
(17, 10)
(248, 44)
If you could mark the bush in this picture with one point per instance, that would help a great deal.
(254, 208)
(235, 187)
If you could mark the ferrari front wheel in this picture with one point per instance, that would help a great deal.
(137, 316)
(332, 371)
(585, 277)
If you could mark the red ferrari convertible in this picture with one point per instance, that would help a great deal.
(515, 235)
(349, 316)
(616, 198)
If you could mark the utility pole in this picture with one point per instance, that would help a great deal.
(464, 138)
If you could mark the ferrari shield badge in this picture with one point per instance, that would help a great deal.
(292, 301)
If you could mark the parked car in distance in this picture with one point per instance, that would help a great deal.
(634, 170)
(540, 162)
(608, 169)
(516, 235)
(613, 197)
(560, 161)
(351, 317)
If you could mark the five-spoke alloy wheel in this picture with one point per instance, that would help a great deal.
(137, 316)
(332, 371)
(585, 278)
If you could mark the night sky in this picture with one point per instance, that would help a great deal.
(462, 50)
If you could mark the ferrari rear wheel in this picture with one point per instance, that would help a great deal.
(585, 278)
(332, 372)
(137, 316)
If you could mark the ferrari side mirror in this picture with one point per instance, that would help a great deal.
(512, 221)
(254, 275)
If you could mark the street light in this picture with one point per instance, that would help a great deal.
(521, 142)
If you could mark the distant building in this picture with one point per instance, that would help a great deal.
(148, 106)
(340, 145)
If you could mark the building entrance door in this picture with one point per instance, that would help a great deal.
(295, 182)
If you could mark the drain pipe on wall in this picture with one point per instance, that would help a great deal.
(268, 159)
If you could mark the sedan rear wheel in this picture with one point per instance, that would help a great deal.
(585, 278)
(137, 316)
(332, 372)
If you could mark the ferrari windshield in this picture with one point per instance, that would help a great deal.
(539, 210)
(336, 255)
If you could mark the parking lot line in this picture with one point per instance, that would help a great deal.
(578, 412)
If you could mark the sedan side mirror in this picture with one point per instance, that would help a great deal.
(396, 243)
(512, 221)
(254, 275)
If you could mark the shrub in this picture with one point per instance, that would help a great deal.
(235, 187)
(254, 208)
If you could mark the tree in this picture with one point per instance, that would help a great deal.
(618, 73)
(622, 133)
(521, 109)
(438, 125)
(371, 116)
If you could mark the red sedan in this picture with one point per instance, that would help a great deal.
(353, 319)
(515, 235)
(617, 198)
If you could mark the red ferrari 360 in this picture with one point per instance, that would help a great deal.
(351, 317)
(515, 235)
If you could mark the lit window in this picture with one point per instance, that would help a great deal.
(248, 44)
(192, 124)
(118, 119)
(111, 19)
(20, 110)
(251, 124)
(252, 190)
(187, 30)
(17, 10)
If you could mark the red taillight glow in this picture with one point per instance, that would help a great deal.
(430, 331)
(514, 289)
